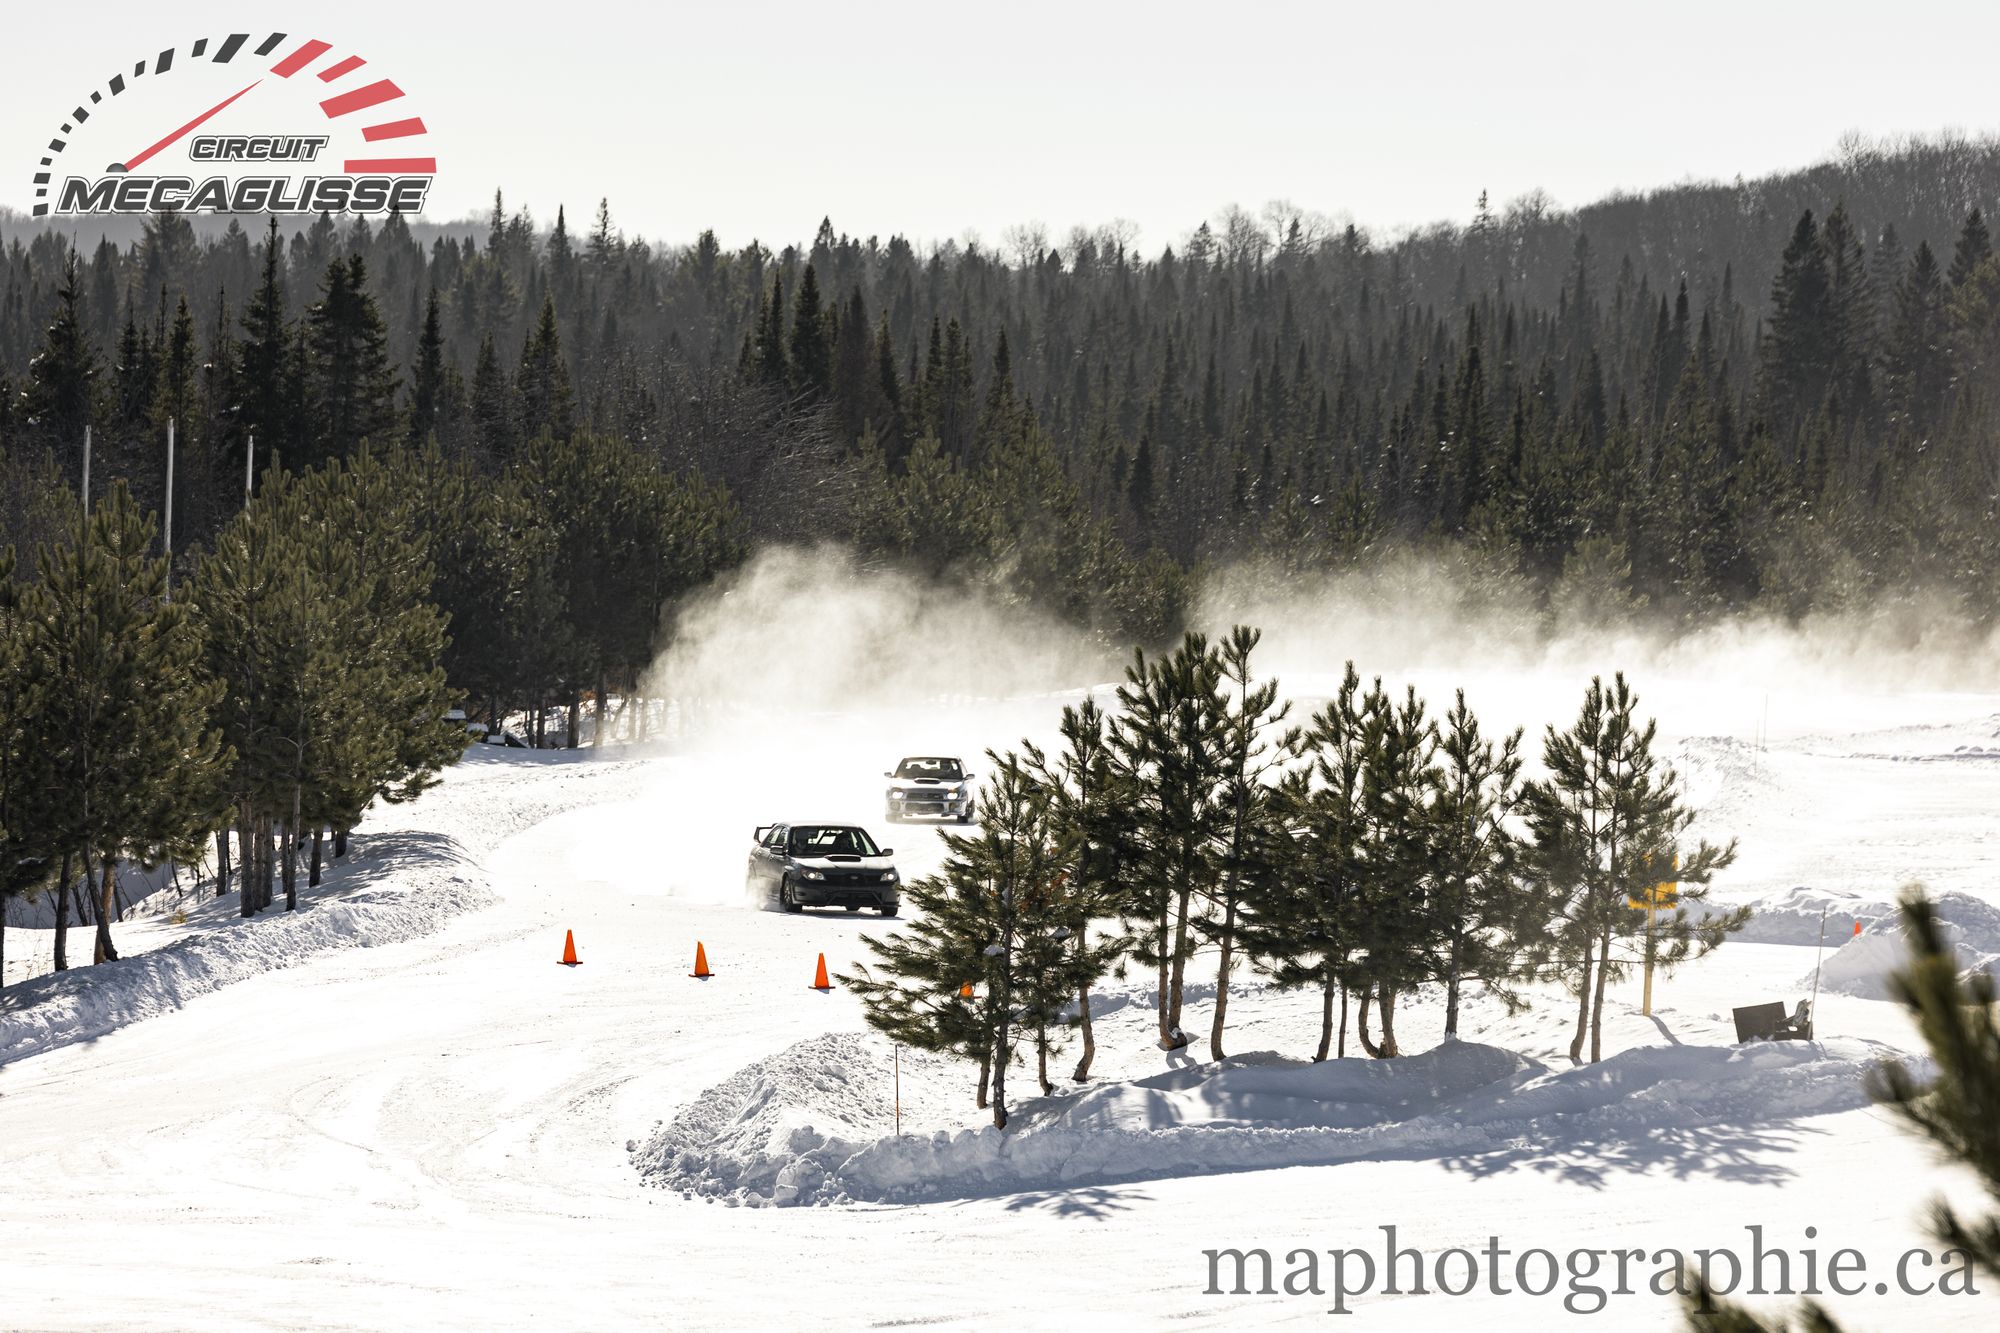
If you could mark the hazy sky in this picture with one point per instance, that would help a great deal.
(940, 118)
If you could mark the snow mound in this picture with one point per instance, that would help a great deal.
(752, 1135)
(796, 1128)
(1793, 916)
(414, 884)
(1863, 966)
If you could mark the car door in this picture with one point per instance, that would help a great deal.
(772, 858)
(755, 873)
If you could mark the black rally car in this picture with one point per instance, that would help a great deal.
(798, 866)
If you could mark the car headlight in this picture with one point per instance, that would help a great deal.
(888, 877)
(896, 792)
(812, 874)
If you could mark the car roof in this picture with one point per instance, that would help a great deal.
(929, 758)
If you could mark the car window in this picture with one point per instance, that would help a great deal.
(943, 769)
(833, 840)
(776, 837)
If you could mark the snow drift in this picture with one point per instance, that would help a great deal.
(400, 883)
(1863, 965)
(804, 1125)
(1794, 916)
(414, 883)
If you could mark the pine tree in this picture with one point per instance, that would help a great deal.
(547, 403)
(771, 363)
(389, 653)
(61, 397)
(252, 600)
(986, 922)
(1919, 366)
(1974, 247)
(329, 657)
(811, 356)
(1000, 419)
(121, 703)
(628, 539)
(427, 375)
(1170, 742)
(1300, 923)
(1485, 917)
(1607, 825)
(352, 388)
(268, 393)
(1853, 315)
(27, 853)
(175, 396)
(892, 429)
(495, 409)
(857, 395)
(1799, 343)
(1085, 813)
(217, 481)
(1248, 843)
(1394, 910)
(492, 569)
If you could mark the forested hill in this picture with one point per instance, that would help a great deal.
(1776, 392)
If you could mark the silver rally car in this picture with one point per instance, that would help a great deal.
(929, 786)
(798, 866)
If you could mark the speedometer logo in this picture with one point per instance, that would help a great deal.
(287, 125)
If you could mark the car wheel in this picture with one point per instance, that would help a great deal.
(887, 911)
(788, 897)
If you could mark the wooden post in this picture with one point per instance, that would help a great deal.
(1652, 900)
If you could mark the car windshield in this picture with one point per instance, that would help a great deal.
(833, 840)
(946, 770)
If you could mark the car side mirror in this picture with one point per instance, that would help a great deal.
(887, 774)
(888, 851)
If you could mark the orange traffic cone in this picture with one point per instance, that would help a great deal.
(965, 991)
(1857, 927)
(700, 962)
(820, 983)
(569, 958)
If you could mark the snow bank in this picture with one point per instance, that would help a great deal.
(1863, 965)
(414, 883)
(750, 1135)
(796, 1127)
(1793, 916)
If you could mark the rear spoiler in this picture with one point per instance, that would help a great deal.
(762, 829)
